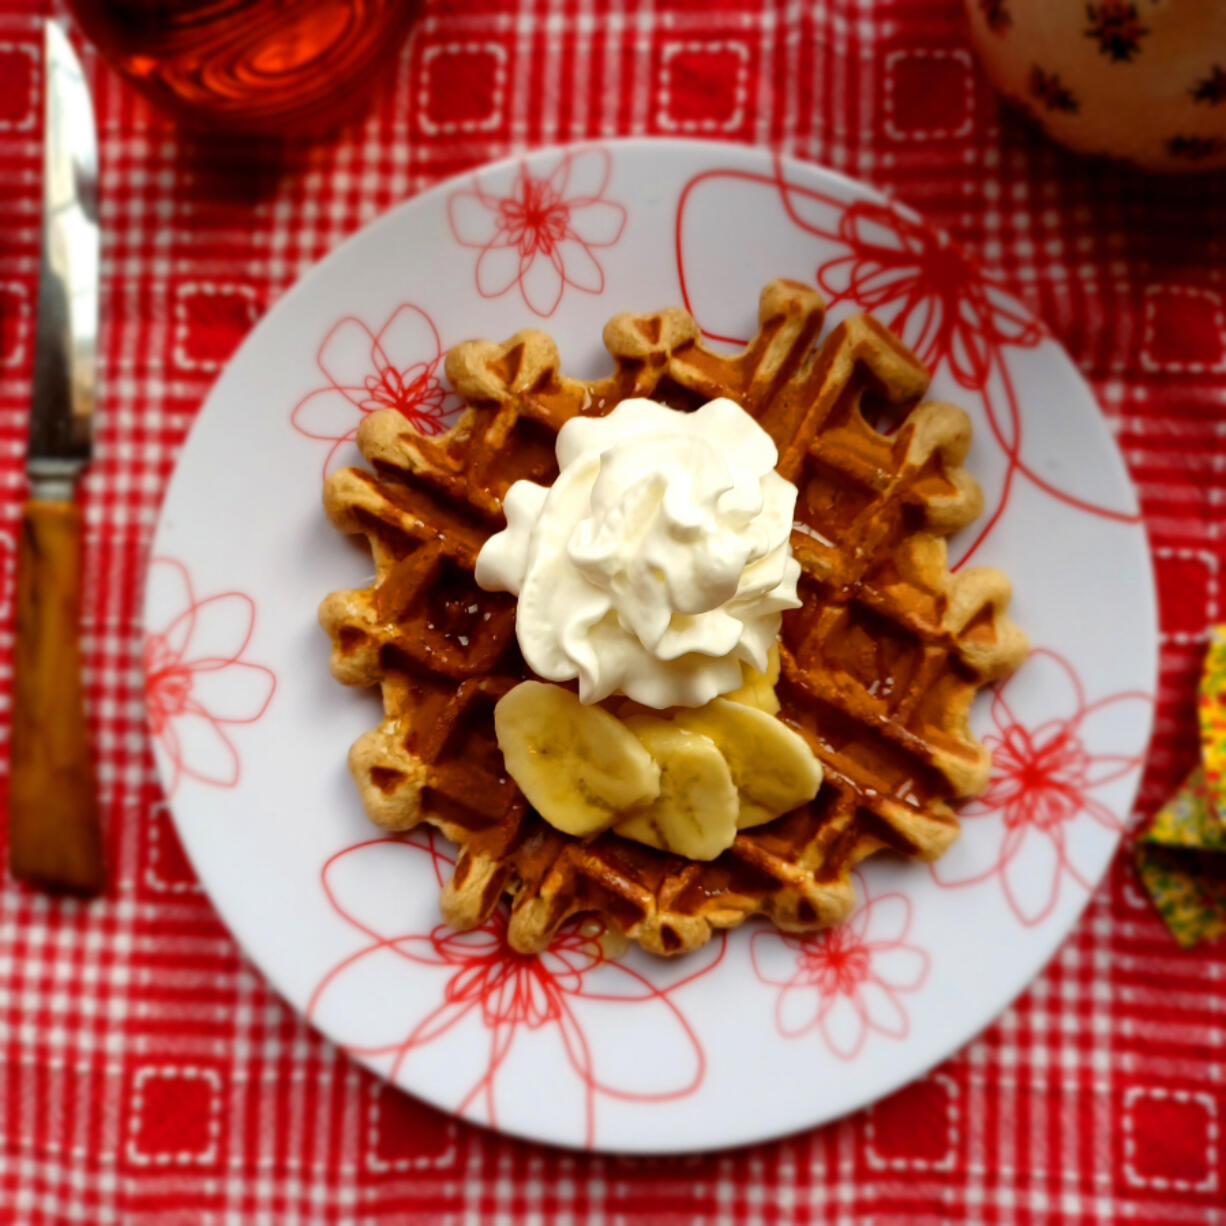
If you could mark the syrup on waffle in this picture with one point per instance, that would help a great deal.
(879, 667)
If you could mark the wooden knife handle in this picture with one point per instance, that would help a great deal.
(54, 834)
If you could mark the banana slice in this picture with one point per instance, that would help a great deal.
(773, 767)
(758, 689)
(580, 767)
(695, 813)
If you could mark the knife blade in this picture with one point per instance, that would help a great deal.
(54, 834)
(66, 336)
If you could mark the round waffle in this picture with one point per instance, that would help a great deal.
(879, 668)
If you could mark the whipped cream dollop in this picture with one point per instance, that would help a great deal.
(658, 560)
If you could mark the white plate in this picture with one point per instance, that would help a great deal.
(757, 1034)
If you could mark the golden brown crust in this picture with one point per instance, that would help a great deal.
(878, 669)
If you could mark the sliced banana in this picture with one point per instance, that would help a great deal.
(695, 812)
(773, 767)
(758, 689)
(580, 767)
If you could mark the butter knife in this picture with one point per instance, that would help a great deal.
(54, 836)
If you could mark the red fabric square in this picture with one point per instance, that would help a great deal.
(175, 1116)
(1169, 1139)
(14, 321)
(928, 94)
(210, 320)
(405, 1134)
(703, 85)
(915, 1127)
(463, 86)
(16, 87)
(1184, 329)
(167, 869)
(1187, 591)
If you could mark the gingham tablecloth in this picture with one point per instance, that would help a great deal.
(147, 1072)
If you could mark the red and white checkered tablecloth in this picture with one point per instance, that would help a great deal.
(148, 1075)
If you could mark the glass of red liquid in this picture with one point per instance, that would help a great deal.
(263, 67)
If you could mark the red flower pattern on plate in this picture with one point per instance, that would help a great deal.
(483, 982)
(543, 234)
(846, 982)
(198, 686)
(1045, 778)
(928, 291)
(396, 366)
(923, 288)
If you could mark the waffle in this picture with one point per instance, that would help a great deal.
(879, 667)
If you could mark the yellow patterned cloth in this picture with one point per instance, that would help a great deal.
(1181, 857)
(1211, 704)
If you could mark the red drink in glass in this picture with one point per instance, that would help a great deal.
(267, 67)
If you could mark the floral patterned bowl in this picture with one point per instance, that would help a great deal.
(758, 1033)
(1141, 80)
